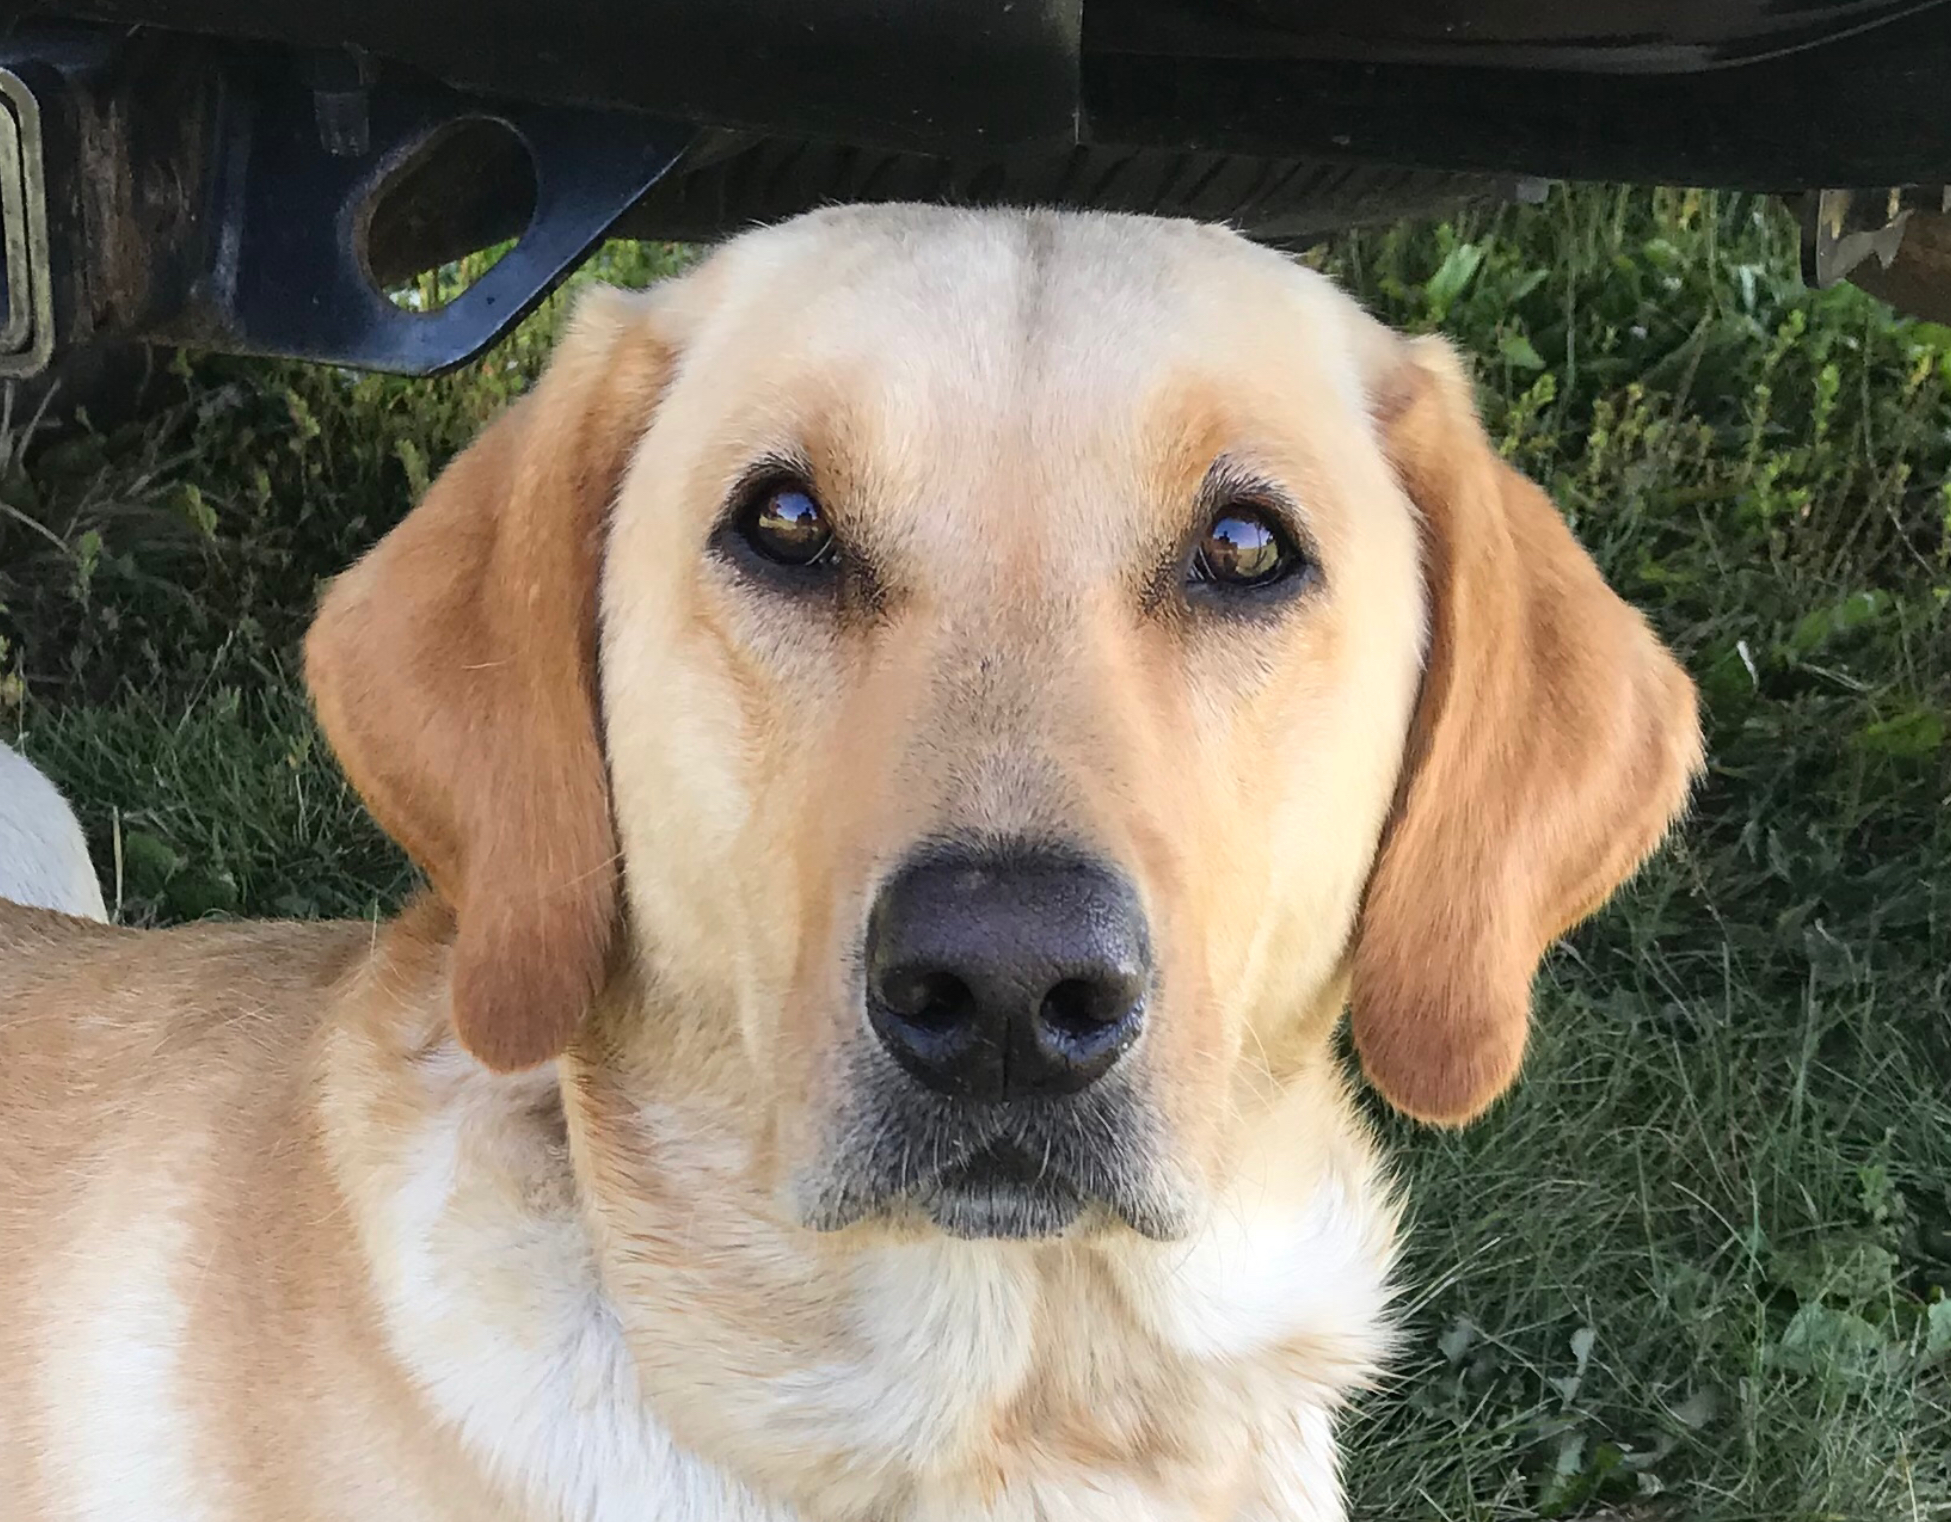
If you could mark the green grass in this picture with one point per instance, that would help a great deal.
(1697, 1265)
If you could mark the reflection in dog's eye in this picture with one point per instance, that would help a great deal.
(1244, 547)
(786, 525)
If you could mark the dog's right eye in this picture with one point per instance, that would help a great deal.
(783, 522)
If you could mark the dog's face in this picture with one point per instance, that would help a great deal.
(1010, 631)
(995, 650)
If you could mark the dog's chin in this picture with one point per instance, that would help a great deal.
(895, 1159)
(999, 1193)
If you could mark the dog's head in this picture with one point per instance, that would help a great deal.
(993, 688)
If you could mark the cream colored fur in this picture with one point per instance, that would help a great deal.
(277, 1243)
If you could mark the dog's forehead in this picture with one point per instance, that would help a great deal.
(970, 319)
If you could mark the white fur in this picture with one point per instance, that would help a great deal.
(556, 1415)
(940, 1335)
(1275, 1263)
(43, 858)
(111, 1380)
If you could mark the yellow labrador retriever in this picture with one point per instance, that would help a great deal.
(916, 730)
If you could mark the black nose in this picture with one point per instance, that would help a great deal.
(993, 977)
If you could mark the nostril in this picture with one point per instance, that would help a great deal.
(933, 1000)
(1083, 1007)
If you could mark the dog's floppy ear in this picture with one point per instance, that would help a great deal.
(1554, 741)
(454, 672)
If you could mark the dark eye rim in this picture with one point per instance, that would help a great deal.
(1300, 564)
(732, 539)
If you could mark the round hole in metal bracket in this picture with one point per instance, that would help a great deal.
(448, 214)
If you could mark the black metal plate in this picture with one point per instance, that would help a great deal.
(289, 274)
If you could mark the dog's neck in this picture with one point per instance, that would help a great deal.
(595, 1291)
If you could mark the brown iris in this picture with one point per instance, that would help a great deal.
(786, 525)
(1243, 547)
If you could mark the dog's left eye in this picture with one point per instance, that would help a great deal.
(1243, 547)
(784, 523)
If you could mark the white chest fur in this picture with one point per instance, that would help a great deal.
(717, 1368)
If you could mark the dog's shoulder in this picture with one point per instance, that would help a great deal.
(142, 1009)
(36, 945)
(23, 929)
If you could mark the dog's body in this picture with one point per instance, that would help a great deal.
(43, 857)
(686, 1192)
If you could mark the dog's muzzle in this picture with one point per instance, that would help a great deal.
(1006, 991)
